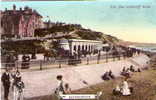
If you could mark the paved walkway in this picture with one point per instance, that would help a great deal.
(41, 83)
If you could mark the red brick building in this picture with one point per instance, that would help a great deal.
(21, 23)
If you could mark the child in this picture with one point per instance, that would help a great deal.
(60, 88)
(67, 89)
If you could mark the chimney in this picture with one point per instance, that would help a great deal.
(5, 9)
(20, 9)
(14, 7)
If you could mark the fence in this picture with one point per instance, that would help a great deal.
(59, 63)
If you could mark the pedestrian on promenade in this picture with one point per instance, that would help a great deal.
(6, 83)
(60, 88)
(87, 60)
(17, 77)
(13, 75)
(18, 91)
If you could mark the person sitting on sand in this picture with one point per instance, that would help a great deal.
(124, 69)
(106, 76)
(139, 70)
(111, 75)
(132, 68)
(125, 89)
(117, 90)
(126, 73)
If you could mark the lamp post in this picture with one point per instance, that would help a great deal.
(98, 58)
(99, 47)
(106, 56)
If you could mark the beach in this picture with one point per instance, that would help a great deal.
(143, 83)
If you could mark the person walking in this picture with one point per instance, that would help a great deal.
(13, 74)
(6, 83)
(17, 78)
(19, 89)
(60, 87)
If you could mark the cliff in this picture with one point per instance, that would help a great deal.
(75, 31)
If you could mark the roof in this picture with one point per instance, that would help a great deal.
(105, 45)
(23, 12)
(80, 40)
(14, 17)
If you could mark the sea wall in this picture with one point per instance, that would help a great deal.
(42, 83)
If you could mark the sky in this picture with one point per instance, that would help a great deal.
(129, 20)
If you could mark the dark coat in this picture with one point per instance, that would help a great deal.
(5, 79)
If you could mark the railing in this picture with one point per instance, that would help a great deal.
(59, 63)
(31, 38)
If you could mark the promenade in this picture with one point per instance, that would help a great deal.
(42, 83)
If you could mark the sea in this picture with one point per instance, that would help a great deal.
(150, 48)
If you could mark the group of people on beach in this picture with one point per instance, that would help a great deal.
(125, 89)
(128, 71)
(108, 75)
(12, 79)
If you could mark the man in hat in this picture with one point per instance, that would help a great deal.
(6, 83)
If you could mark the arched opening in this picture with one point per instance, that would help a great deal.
(74, 47)
(78, 47)
(86, 48)
(89, 48)
(82, 47)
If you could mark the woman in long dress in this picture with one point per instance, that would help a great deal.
(18, 87)
(125, 89)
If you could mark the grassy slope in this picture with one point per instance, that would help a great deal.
(144, 84)
(77, 32)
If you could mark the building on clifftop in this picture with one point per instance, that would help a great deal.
(20, 23)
